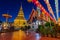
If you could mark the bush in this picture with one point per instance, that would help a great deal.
(11, 28)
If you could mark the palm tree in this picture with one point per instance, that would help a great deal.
(41, 29)
(48, 28)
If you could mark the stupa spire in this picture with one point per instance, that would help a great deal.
(21, 7)
(20, 19)
(21, 11)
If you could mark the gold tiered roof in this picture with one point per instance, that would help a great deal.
(20, 20)
(20, 14)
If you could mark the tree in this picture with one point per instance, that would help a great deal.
(52, 23)
(0, 21)
(48, 28)
(29, 27)
(47, 24)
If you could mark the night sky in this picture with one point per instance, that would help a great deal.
(12, 7)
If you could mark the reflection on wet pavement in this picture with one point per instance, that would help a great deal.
(19, 35)
(6, 36)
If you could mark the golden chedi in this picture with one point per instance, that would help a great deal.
(20, 20)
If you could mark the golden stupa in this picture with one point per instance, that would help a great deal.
(20, 20)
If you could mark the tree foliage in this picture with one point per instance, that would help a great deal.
(47, 24)
(0, 21)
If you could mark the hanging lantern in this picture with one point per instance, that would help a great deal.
(29, 0)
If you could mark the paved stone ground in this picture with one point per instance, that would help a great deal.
(49, 38)
(20, 35)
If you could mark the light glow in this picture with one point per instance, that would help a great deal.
(56, 5)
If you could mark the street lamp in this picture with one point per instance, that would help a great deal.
(6, 16)
(29, 0)
(5, 25)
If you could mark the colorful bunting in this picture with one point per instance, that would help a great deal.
(49, 8)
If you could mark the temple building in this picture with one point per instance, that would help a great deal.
(33, 21)
(36, 18)
(20, 20)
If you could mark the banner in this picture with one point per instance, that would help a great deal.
(56, 5)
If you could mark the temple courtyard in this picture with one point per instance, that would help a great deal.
(21, 35)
